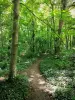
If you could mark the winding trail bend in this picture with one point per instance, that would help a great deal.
(41, 89)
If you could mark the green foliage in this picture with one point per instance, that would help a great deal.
(65, 94)
(16, 90)
(40, 12)
(52, 64)
(24, 62)
(59, 70)
(39, 24)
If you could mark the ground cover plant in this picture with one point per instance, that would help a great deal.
(60, 71)
(37, 40)
(16, 90)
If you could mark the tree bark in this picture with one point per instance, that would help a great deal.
(58, 39)
(73, 41)
(67, 42)
(33, 37)
(14, 47)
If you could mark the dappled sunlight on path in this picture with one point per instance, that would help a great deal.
(42, 89)
(2, 78)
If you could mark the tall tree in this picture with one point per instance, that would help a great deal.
(58, 39)
(12, 70)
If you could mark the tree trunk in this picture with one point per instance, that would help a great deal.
(70, 39)
(12, 68)
(1, 40)
(33, 37)
(73, 41)
(54, 26)
(58, 39)
(67, 42)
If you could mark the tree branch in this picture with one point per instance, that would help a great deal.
(36, 16)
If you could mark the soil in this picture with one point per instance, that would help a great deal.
(40, 88)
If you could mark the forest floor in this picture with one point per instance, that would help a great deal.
(40, 88)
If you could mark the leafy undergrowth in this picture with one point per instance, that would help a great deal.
(66, 94)
(22, 64)
(60, 71)
(16, 90)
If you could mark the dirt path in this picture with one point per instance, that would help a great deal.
(41, 89)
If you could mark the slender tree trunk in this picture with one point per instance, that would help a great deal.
(70, 38)
(58, 39)
(9, 42)
(54, 26)
(67, 42)
(12, 68)
(73, 41)
(33, 37)
(48, 38)
(1, 38)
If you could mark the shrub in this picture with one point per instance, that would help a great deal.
(16, 90)
(66, 94)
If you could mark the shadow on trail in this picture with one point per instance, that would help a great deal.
(40, 88)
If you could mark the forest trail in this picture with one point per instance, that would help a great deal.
(41, 89)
